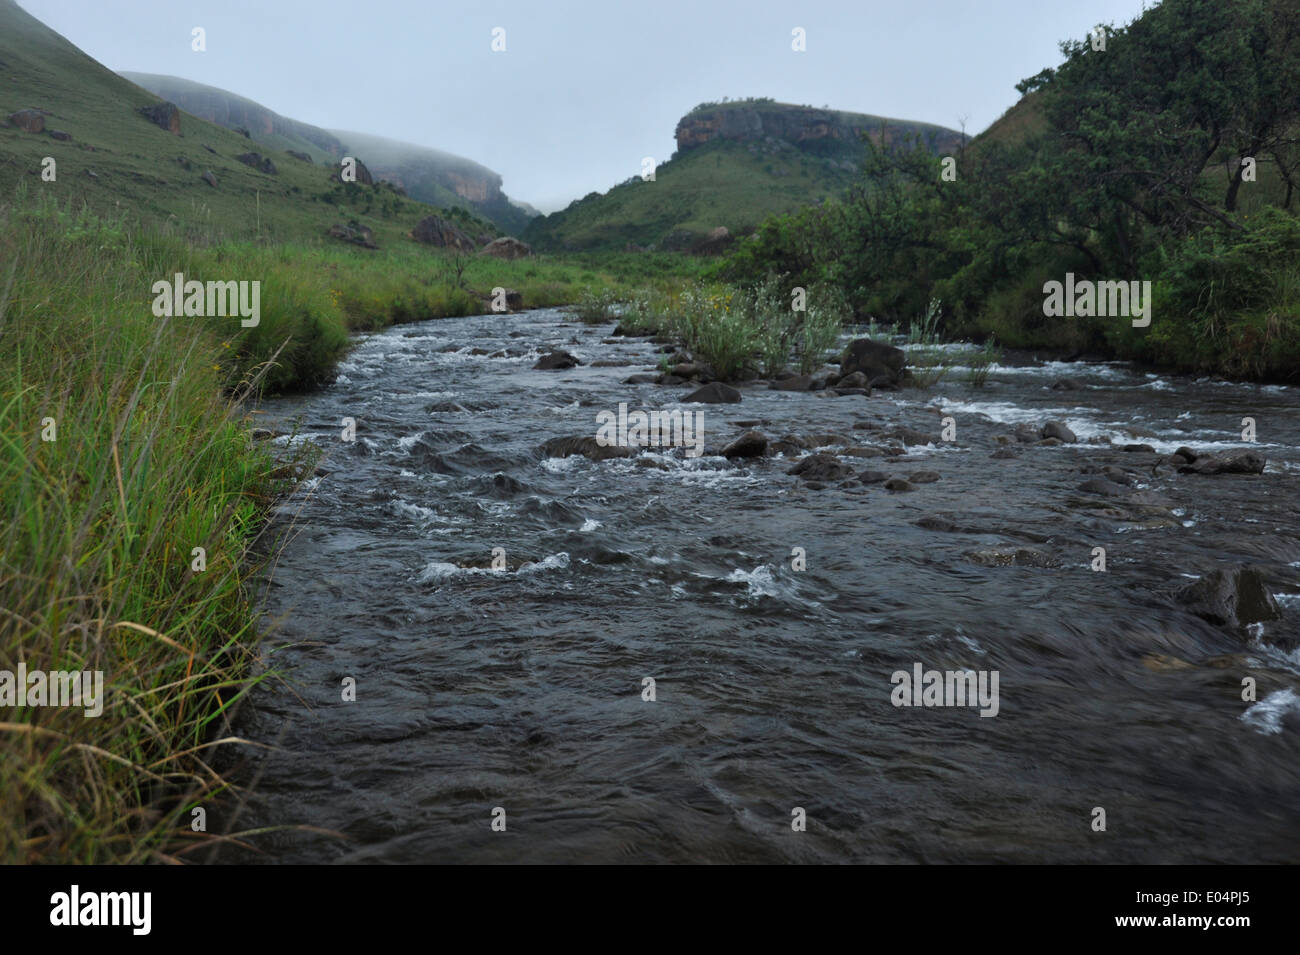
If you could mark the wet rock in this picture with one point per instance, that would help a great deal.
(1138, 448)
(910, 436)
(1003, 454)
(898, 484)
(698, 370)
(861, 451)
(851, 392)
(1118, 476)
(1234, 596)
(714, 393)
(934, 523)
(671, 380)
(1050, 443)
(925, 477)
(1238, 462)
(1055, 429)
(641, 380)
(793, 383)
(856, 380)
(586, 446)
(822, 466)
(1011, 557)
(751, 444)
(556, 360)
(1026, 434)
(1066, 384)
(1187, 454)
(873, 477)
(1103, 487)
(881, 364)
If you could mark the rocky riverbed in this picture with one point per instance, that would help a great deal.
(499, 584)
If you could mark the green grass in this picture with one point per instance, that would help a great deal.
(719, 184)
(97, 530)
(153, 458)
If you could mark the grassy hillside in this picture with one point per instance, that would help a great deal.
(736, 164)
(427, 175)
(721, 184)
(232, 111)
(118, 162)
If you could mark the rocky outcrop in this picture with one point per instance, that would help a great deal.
(804, 126)
(507, 247)
(715, 243)
(437, 231)
(304, 157)
(28, 120)
(164, 116)
(363, 175)
(353, 233)
(259, 162)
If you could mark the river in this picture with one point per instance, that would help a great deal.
(771, 616)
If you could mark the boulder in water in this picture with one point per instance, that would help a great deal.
(1234, 596)
(714, 393)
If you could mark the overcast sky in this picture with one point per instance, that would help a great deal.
(584, 89)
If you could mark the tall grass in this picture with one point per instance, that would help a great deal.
(148, 461)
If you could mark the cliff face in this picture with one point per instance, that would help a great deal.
(818, 130)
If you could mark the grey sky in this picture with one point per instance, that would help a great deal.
(584, 89)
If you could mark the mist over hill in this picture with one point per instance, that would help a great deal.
(428, 175)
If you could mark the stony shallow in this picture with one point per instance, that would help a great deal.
(521, 687)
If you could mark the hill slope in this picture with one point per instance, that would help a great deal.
(428, 175)
(117, 161)
(736, 164)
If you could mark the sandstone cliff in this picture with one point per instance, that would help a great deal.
(821, 131)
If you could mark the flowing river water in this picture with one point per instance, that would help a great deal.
(522, 689)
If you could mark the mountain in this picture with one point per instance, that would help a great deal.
(735, 164)
(121, 151)
(428, 175)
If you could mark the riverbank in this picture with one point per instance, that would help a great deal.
(132, 498)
